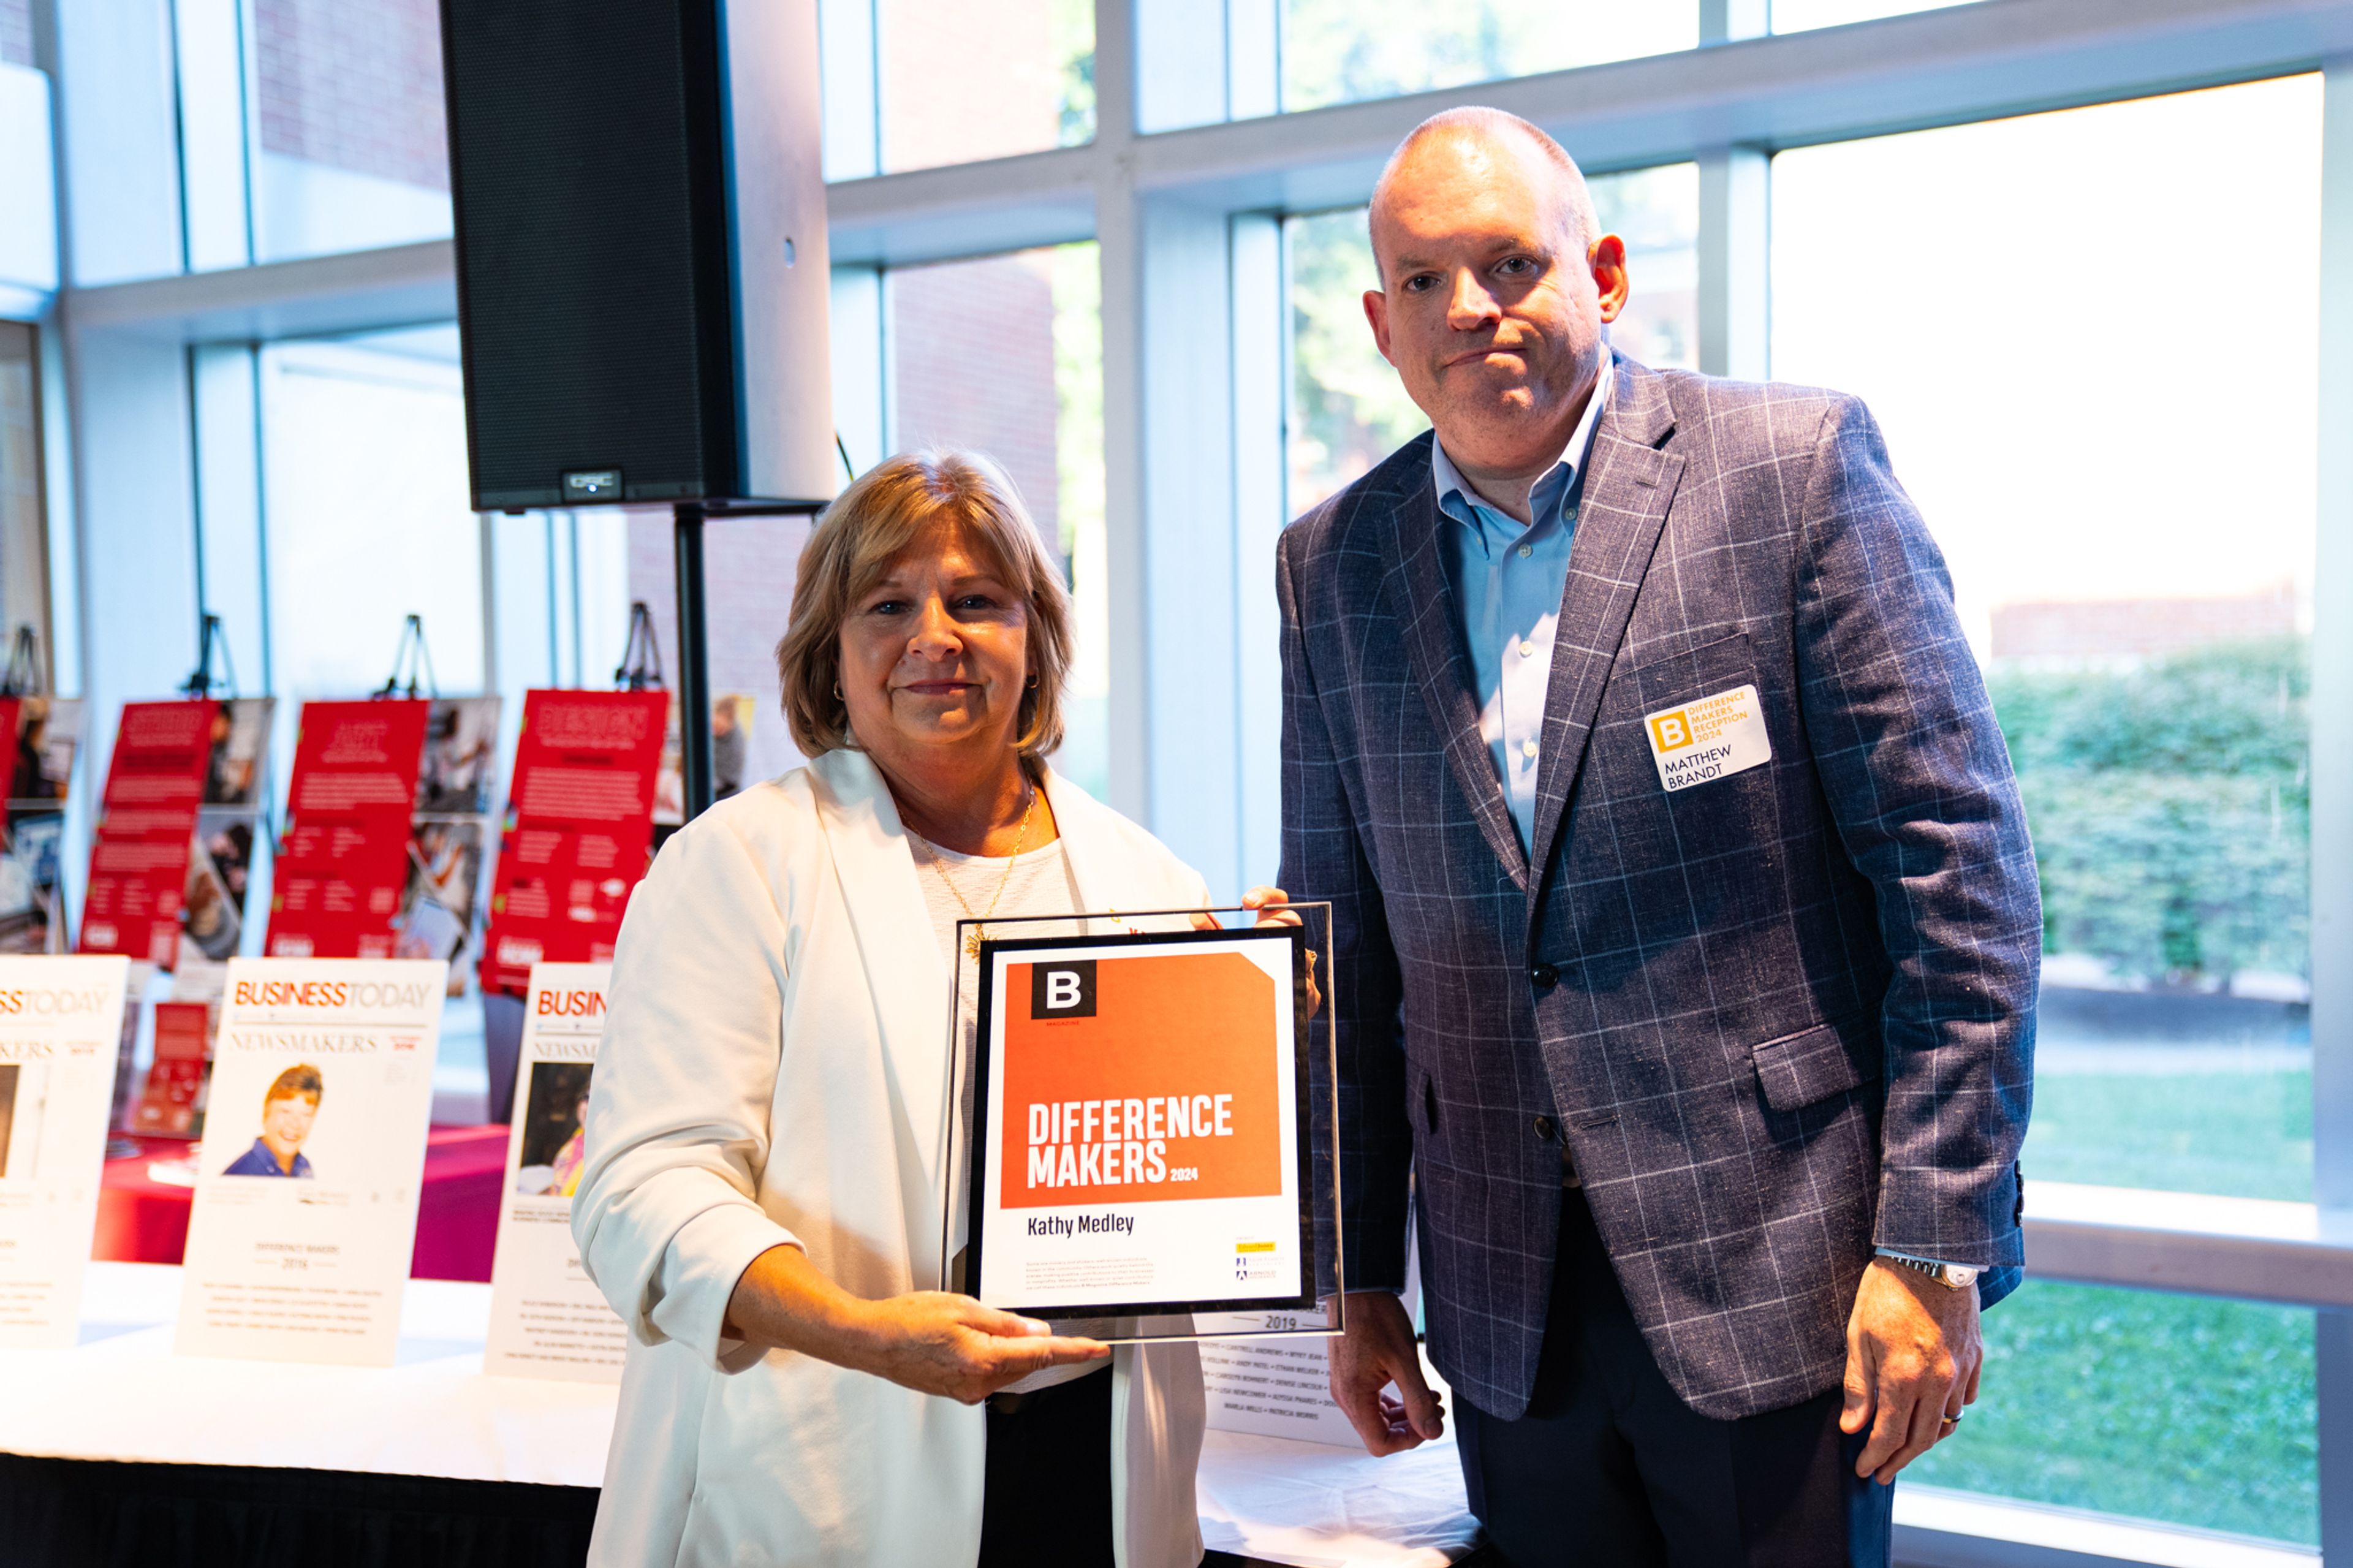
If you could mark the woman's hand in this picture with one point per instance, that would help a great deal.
(930, 1341)
(935, 1343)
(1273, 906)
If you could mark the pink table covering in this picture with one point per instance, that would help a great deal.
(141, 1220)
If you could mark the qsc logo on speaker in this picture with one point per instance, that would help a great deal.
(1065, 990)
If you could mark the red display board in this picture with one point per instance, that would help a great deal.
(169, 1106)
(578, 827)
(344, 860)
(139, 863)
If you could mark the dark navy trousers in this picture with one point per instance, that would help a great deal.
(1610, 1466)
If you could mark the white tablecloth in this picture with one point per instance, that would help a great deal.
(122, 1394)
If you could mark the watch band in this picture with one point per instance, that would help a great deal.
(1952, 1276)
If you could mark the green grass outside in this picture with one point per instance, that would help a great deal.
(2245, 1135)
(2175, 1408)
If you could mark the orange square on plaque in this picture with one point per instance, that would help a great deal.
(1162, 1026)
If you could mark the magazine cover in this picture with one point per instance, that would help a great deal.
(547, 1319)
(313, 1155)
(60, 1030)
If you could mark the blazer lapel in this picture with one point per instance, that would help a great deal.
(1421, 603)
(1093, 870)
(905, 971)
(1627, 494)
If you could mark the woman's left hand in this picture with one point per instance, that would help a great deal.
(1273, 906)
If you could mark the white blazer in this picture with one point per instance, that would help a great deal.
(775, 1069)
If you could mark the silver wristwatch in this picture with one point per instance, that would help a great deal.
(1952, 1276)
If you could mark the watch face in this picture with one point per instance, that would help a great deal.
(1961, 1276)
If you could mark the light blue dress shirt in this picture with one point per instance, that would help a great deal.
(1508, 581)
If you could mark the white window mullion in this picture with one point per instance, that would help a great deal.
(2332, 797)
(1734, 215)
(1119, 236)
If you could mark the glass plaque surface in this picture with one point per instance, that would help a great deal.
(1141, 1135)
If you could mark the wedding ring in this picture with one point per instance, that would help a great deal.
(1955, 1420)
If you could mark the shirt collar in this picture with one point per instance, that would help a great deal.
(1452, 486)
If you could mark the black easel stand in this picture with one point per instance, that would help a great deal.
(410, 664)
(694, 645)
(209, 639)
(23, 676)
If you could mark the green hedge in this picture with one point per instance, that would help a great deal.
(2170, 805)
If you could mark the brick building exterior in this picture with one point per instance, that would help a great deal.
(16, 32)
(2103, 630)
(972, 351)
(356, 84)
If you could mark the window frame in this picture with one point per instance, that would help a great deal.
(1188, 222)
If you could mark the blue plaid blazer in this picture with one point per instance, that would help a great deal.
(1776, 1017)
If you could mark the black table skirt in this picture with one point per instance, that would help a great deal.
(74, 1513)
(67, 1514)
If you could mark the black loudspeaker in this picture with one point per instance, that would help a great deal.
(641, 250)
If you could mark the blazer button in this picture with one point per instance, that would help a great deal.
(1545, 1128)
(1545, 975)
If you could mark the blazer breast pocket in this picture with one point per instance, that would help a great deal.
(1668, 680)
(1691, 782)
(1700, 726)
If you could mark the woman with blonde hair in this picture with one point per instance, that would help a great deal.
(768, 1133)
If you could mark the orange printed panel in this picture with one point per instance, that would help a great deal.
(1139, 1079)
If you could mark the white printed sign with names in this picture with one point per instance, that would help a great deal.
(1277, 1387)
(60, 1032)
(547, 1318)
(313, 1159)
(1275, 1378)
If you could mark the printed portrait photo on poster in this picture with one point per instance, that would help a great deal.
(237, 752)
(554, 1108)
(461, 748)
(436, 903)
(19, 1113)
(289, 1112)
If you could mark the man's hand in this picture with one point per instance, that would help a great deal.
(1274, 910)
(1913, 1356)
(1376, 1351)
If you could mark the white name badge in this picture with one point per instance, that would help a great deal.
(1708, 738)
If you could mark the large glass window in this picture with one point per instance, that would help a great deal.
(349, 135)
(964, 79)
(1341, 51)
(1801, 16)
(2022, 332)
(16, 32)
(2175, 1408)
(749, 567)
(23, 535)
(1004, 355)
(1348, 410)
(363, 443)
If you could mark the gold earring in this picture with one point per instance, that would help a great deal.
(837, 697)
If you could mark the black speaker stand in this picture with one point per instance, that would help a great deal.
(687, 517)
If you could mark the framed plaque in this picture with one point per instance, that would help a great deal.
(1138, 1150)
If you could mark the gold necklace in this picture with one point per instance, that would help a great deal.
(973, 937)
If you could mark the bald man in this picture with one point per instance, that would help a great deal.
(1683, 904)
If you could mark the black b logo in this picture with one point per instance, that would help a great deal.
(1065, 990)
